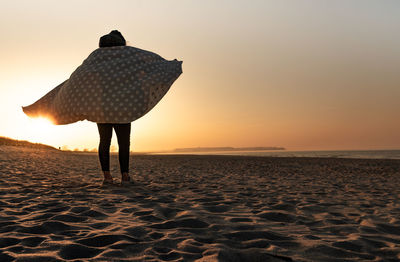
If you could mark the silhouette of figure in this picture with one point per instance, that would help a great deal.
(115, 85)
(123, 130)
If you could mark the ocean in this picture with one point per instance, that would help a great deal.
(369, 154)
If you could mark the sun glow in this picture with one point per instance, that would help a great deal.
(40, 129)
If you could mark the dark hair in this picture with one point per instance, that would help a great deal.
(114, 38)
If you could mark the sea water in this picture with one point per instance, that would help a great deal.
(369, 154)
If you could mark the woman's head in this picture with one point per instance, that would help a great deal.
(114, 38)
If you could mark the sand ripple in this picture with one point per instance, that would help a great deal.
(198, 208)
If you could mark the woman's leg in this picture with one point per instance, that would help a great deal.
(105, 131)
(123, 132)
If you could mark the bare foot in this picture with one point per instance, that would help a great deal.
(125, 177)
(107, 177)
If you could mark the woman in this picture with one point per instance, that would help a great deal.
(115, 85)
(123, 130)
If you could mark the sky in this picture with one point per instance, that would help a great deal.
(305, 74)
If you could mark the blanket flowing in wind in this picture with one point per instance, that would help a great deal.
(113, 85)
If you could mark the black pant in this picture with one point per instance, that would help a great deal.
(123, 132)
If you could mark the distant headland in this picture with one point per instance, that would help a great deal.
(5, 141)
(215, 149)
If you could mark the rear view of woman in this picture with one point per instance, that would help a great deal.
(115, 85)
(123, 130)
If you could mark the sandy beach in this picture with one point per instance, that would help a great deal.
(198, 208)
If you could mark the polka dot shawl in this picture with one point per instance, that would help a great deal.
(113, 85)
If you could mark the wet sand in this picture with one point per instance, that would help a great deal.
(198, 208)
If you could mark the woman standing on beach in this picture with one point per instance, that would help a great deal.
(123, 130)
(114, 86)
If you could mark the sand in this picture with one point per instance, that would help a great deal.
(198, 208)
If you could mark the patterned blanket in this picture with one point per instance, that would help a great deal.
(113, 85)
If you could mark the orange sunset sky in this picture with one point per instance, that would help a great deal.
(305, 75)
